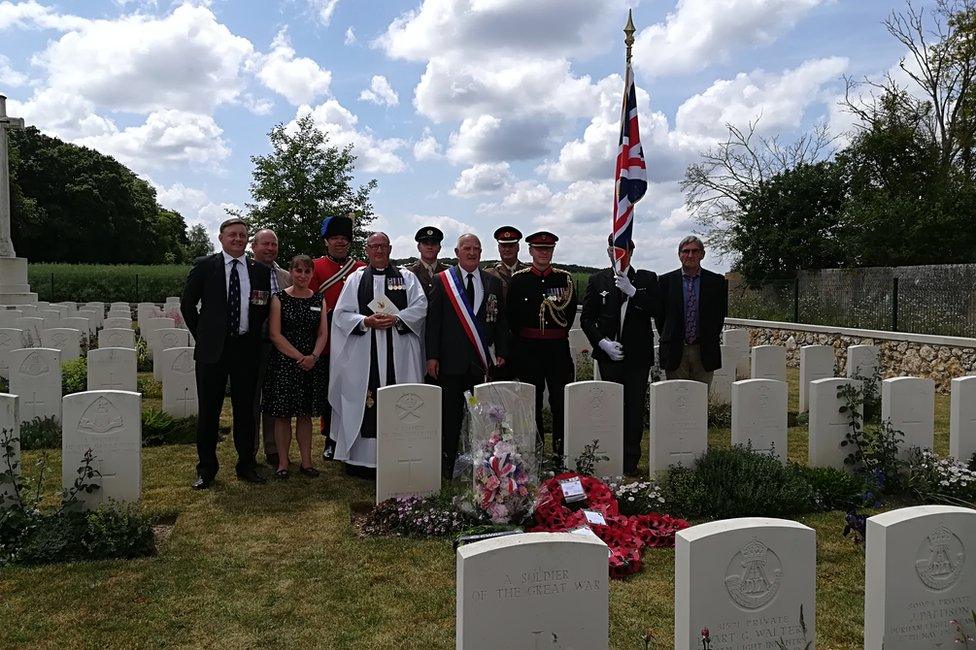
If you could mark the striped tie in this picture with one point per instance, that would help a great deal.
(234, 301)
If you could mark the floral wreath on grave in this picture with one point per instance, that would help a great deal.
(625, 536)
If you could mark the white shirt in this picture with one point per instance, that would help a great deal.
(245, 280)
(479, 288)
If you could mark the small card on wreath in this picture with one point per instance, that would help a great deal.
(383, 305)
(572, 490)
(593, 517)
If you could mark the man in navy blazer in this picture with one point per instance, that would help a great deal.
(225, 306)
(458, 356)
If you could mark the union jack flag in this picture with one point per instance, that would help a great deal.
(631, 172)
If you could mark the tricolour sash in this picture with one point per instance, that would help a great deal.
(453, 287)
(338, 276)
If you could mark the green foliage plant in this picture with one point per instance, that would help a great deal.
(144, 362)
(149, 387)
(874, 452)
(74, 376)
(588, 458)
(159, 428)
(40, 433)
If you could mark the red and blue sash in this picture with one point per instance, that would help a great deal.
(453, 287)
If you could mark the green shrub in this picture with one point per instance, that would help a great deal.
(143, 358)
(40, 433)
(107, 282)
(736, 482)
(833, 489)
(74, 376)
(149, 387)
(4, 385)
(719, 416)
(159, 428)
(584, 366)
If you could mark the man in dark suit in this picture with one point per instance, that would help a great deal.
(225, 306)
(692, 307)
(616, 318)
(458, 357)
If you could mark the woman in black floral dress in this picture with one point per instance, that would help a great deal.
(296, 385)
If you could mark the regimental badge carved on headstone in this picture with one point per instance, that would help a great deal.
(597, 400)
(34, 365)
(183, 364)
(754, 575)
(407, 408)
(100, 417)
(940, 559)
(680, 403)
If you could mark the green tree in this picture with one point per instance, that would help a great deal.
(301, 181)
(198, 242)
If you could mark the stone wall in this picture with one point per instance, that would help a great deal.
(940, 358)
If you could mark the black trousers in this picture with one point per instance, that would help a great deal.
(239, 362)
(452, 415)
(545, 363)
(634, 380)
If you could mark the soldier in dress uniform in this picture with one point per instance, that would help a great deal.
(429, 245)
(541, 308)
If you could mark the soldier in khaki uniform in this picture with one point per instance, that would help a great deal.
(508, 238)
(429, 241)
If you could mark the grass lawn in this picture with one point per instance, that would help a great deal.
(279, 564)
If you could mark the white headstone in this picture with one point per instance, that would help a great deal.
(909, 402)
(116, 322)
(738, 340)
(863, 360)
(119, 313)
(9, 431)
(577, 343)
(759, 415)
(769, 362)
(962, 418)
(28, 309)
(31, 326)
(95, 305)
(52, 317)
(117, 338)
(145, 311)
(533, 590)
(120, 306)
(8, 317)
(94, 319)
(720, 390)
(816, 362)
(108, 422)
(162, 339)
(10, 339)
(79, 323)
(828, 426)
(919, 574)
(594, 410)
(72, 307)
(179, 382)
(526, 392)
(748, 581)
(65, 339)
(679, 423)
(149, 325)
(408, 440)
(112, 369)
(35, 376)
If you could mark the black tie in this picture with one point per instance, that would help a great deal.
(234, 300)
(469, 290)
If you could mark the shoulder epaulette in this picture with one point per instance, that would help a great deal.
(564, 272)
(521, 271)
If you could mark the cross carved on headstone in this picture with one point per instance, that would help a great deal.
(6, 123)
(410, 463)
(34, 404)
(185, 400)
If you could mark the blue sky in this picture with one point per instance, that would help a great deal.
(471, 114)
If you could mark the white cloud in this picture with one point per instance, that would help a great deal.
(427, 147)
(324, 9)
(380, 92)
(65, 115)
(299, 80)
(522, 197)
(168, 137)
(184, 61)
(350, 37)
(9, 76)
(488, 139)
(195, 206)
(373, 154)
(406, 246)
(701, 32)
(33, 15)
(483, 178)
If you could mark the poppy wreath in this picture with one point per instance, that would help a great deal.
(625, 536)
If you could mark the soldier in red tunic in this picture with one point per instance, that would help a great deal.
(331, 271)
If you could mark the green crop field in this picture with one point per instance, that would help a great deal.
(106, 282)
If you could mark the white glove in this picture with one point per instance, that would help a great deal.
(623, 283)
(613, 349)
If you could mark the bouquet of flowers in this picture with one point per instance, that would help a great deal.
(502, 457)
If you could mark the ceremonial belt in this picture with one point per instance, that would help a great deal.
(451, 279)
(549, 334)
(338, 276)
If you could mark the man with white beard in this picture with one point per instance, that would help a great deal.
(377, 329)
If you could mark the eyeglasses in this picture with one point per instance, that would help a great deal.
(377, 246)
(691, 251)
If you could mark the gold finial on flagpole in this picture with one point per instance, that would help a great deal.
(629, 31)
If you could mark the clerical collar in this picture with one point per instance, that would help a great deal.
(376, 271)
(336, 259)
(544, 273)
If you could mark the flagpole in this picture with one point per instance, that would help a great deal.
(629, 30)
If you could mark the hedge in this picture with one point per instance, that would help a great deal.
(106, 282)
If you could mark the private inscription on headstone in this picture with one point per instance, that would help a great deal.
(594, 410)
(112, 369)
(750, 581)
(909, 403)
(828, 426)
(962, 418)
(534, 590)
(408, 441)
(816, 362)
(179, 382)
(679, 423)
(108, 422)
(920, 576)
(759, 415)
(35, 376)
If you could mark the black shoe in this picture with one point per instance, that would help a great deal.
(281, 474)
(251, 476)
(271, 460)
(310, 472)
(202, 483)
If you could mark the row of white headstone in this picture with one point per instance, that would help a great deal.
(109, 422)
(750, 582)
